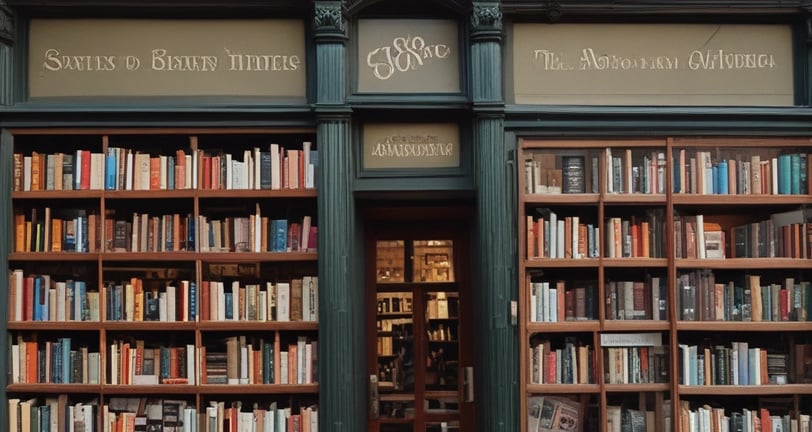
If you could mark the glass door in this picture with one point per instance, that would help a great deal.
(419, 354)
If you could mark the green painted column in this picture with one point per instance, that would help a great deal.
(6, 156)
(341, 358)
(496, 357)
(6, 55)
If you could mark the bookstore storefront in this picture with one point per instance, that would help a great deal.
(371, 216)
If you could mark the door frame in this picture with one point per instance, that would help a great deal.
(410, 222)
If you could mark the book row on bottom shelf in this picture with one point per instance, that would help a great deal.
(653, 412)
(155, 414)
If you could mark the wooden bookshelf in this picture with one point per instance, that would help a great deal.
(265, 226)
(644, 180)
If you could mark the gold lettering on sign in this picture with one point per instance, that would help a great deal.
(406, 53)
(588, 59)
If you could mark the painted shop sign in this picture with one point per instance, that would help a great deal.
(662, 64)
(408, 56)
(407, 146)
(117, 57)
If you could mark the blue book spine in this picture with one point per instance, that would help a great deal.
(229, 305)
(795, 174)
(715, 176)
(56, 361)
(164, 362)
(39, 298)
(81, 298)
(111, 170)
(723, 174)
(784, 174)
(193, 301)
(677, 174)
(190, 242)
(170, 172)
(282, 235)
(267, 364)
(65, 342)
(803, 173)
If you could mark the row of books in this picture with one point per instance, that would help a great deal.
(636, 237)
(554, 302)
(707, 418)
(738, 364)
(550, 173)
(629, 171)
(702, 298)
(625, 419)
(765, 239)
(141, 232)
(57, 362)
(573, 363)
(252, 360)
(295, 300)
(123, 169)
(785, 234)
(637, 300)
(702, 173)
(127, 414)
(636, 365)
(139, 300)
(37, 297)
(551, 236)
(132, 362)
(71, 231)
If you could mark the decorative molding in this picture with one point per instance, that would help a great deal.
(354, 7)
(328, 18)
(550, 8)
(486, 21)
(6, 24)
(486, 16)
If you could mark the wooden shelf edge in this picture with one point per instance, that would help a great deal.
(53, 388)
(54, 325)
(563, 388)
(559, 199)
(635, 325)
(778, 326)
(561, 262)
(746, 390)
(744, 263)
(257, 388)
(621, 388)
(564, 327)
(257, 325)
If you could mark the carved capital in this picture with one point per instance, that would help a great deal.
(486, 16)
(6, 24)
(328, 19)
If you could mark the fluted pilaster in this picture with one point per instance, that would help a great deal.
(496, 386)
(341, 358)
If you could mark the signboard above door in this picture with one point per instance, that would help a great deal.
(154, 57)
(408, 56)
(652, 64)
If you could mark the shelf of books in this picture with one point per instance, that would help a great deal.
(665, 284)
(163, 279)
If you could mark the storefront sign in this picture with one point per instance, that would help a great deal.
(407, 146)
(642, 64)
(408, 56)
(117, 57)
